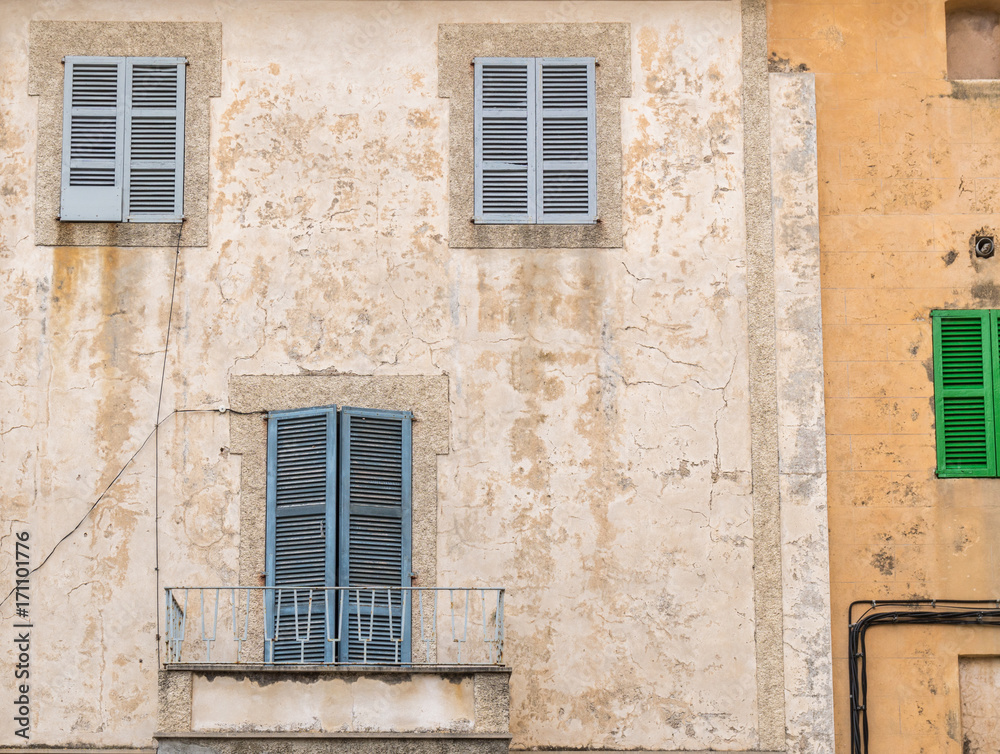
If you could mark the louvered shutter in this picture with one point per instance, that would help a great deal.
(964, 392)
(154, 116)
(566, 141)
(93, 139)
(504, 140)
(301, 532)
(375, 479)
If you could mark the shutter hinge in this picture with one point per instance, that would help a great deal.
(63, 61)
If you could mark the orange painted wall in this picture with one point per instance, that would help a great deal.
(909, 169)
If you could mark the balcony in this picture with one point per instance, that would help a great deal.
(333, 669)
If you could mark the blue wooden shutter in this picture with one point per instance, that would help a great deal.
(566, 141)
(375, 480)
(301, 530)
(504, 140)
(965, 382)
(154, 117)
(93, 139)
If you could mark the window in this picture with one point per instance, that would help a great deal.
(52, 45)
(973, 39)
(966, 391)
(527, 103)
(535, 140)
(338, 514)
(123, 140)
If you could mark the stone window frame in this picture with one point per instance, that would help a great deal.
(427, 397)
(49, 42)
(610, 45)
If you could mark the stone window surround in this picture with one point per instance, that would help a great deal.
(426, 396)
(610, 44)
(49, 43)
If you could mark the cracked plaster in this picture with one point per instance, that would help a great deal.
(598, 399)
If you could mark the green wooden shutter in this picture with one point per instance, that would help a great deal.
(154, 116)
(93, 139)
(566, 141)
(504, 140)
(375, 481)
(301, 532)
(964, 392)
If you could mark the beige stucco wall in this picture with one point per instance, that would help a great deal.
(599, 461)
(332, 703)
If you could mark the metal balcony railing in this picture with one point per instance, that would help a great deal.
(335, 625)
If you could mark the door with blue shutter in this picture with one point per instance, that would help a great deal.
(154, 117)
(505, 140)
(566, 140)
(301, 534)
(375, 520)
(93, 139)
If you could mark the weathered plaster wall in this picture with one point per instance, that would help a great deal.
(908, 172)
(423, 702)
(599, 451)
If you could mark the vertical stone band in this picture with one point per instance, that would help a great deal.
(768, 604)
(801, 417)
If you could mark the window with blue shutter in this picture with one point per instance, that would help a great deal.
(535, 141)
(338, 514)
(123, 140)
(966, 391)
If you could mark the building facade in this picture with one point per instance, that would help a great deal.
(907, 144)
(560, 260)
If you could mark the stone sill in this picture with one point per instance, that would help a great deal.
(247, 667)
(81, 749)
(971, 88)
(374, 734)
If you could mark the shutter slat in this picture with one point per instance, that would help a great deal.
(301, 526)
(567, 141)
(504, 140)
(375, 631)
(964, 343)
(93, 140)
(123, 139)
(155, 118)
(308, 644)
(375, 481)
